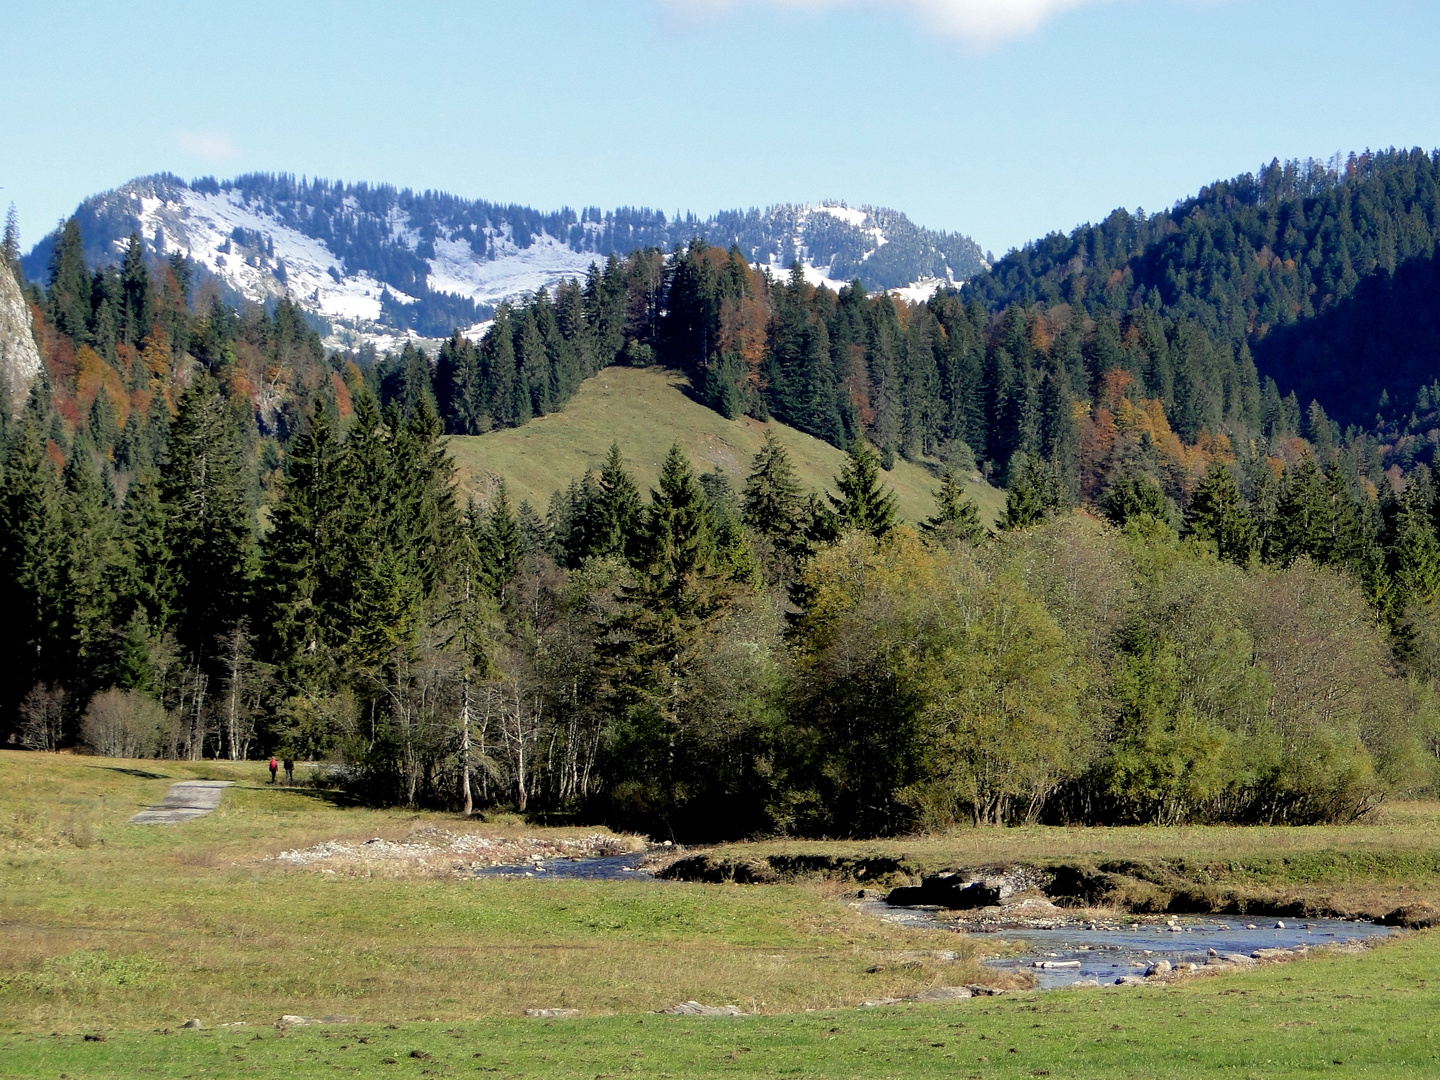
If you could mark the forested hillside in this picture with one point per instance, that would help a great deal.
(369, 262)
(1204, 600)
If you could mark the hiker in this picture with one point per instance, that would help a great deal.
(289, 771)
(273, 767)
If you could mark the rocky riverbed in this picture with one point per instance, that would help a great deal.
(443, 853)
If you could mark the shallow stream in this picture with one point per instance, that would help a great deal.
(605, 868)
(1112, 950)
(1105, 953)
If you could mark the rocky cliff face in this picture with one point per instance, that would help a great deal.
(19, 358)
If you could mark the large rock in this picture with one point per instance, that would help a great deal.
(19, 358)
(964, 889)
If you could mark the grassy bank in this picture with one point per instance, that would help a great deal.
(1340, 1016)
(1367, 870)
(645, 411)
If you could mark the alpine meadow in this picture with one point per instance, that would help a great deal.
(442, 636)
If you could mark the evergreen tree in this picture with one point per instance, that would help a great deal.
(534, 367)
(1219, 515)
(137, 310)
(615, 511)
(1036, 492)
(31, 567)
(497, 353)
(303, 567)
(771, 503)
(10, 245)
(864, 502)
(69, 288)
(205, 489)
(1304, 516)
(958, 518)
(501, 543)
(1133, 496)
(149, 588)
(88, 572)
(533, 531)
(678, 542)
(1411, 550)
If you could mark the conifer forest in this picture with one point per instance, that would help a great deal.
(1213, 594)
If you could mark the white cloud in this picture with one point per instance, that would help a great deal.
(980, 22)
(207, 145)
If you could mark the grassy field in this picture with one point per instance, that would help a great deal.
(645, 410)
(126, 926)
(124, 932)
(1369, 1016)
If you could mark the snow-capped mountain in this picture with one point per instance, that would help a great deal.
(375, 263)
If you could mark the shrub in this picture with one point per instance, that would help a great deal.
(123, 724)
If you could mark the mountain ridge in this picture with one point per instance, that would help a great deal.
(379, 263)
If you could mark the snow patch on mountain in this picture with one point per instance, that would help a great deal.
(425, 262)
(271, 261)
(510, 273)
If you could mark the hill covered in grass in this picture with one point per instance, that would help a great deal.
(645, 410)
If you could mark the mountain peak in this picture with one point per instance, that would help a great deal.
(377, 263)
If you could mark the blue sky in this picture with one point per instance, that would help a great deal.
(1004, 119)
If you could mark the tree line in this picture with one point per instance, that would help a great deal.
(1202, 602)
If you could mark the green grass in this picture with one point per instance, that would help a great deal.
(645, 411)
(1369, 1015)
(136, 927)
(125, 932)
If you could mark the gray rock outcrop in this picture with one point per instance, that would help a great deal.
(19, 358)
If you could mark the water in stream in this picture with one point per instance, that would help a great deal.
(1078, 952)
(605, 868)
(1108, 952)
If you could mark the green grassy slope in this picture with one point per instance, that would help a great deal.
(645, 410)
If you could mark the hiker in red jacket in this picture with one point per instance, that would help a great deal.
(273, 766)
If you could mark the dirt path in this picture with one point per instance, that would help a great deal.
(185, 801)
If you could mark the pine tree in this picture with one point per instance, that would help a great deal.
(958, 518)
(149, 586)
(1411, 549)
(90, 551)
(1133, 496)
(534, 367)
(864, 502)
(10, 245)
(771, 502)
(533, 531)
(1303, 523)
(31, 567)
(1218, 514)
(501, 543)
(497, 355)
(100, 424)
(205, 489)
(678, 542)
(1036, 492)
(427, 519)
(615, 511)
(137, 308)
(1059, 433)
(302, 582)
(69, 287)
